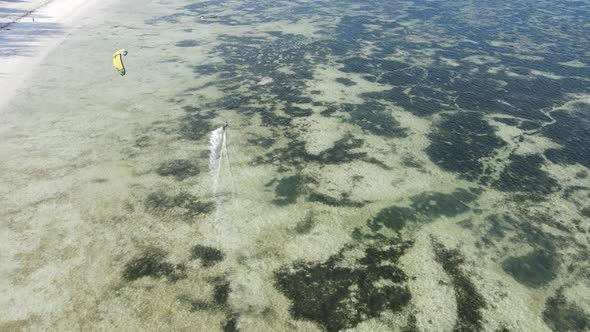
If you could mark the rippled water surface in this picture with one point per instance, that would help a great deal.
(388, 166)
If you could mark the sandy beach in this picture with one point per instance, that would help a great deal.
(13, 11)
(30, 30)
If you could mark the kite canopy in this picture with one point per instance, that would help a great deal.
(118, 61)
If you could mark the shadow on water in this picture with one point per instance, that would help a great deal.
(19, 38)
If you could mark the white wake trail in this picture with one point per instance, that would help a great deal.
(215, 157)
(228, 165)
(218, 160)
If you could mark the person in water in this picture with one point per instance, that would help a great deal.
(225, 124)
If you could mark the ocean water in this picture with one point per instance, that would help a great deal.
(388, 166)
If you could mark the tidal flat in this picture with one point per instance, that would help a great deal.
(389, 166)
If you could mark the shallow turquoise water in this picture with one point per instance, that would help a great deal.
(407, 166)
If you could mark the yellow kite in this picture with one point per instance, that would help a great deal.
(118, 61)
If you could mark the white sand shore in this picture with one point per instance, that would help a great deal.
(31, 30)
(12, 11)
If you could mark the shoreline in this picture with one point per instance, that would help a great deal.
(19, 11)
(24, 44)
